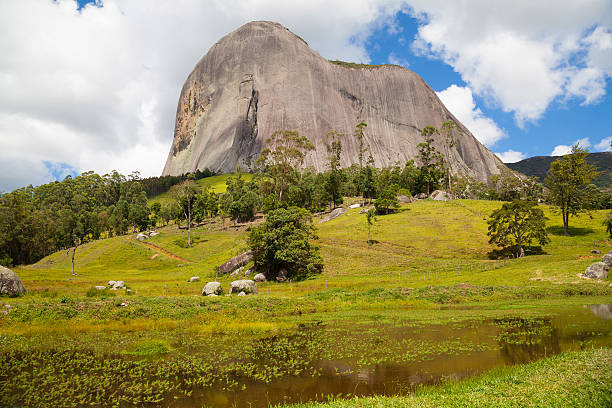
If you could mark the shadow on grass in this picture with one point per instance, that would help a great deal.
(573, 231)
(512, 251)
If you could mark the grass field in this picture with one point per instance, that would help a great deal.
(429, 265)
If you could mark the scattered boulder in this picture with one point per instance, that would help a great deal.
(242, 294)
(116, 285)
(439, 195)
(244, 285)
(236, 272)
(153, 233)
(260, 277)
(194, 279)
(236, 262)
(595, 251)
(355, 205)
(100, 287)
(607, 259)
(142, 236)
(603, 311)
(111, 283)
(212, 288)
(335, 213)
(598, 270)
(365, 210)
(282, 275)
(10, 284)
(421, 196)
(248, 272)
(404, 199)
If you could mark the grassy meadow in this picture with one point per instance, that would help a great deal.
(161, 342)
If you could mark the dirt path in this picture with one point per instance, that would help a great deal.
(161, 250)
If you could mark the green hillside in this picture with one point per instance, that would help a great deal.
(538, 167)
(429, 238)
(214, 183)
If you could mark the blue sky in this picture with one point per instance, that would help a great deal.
(95, 86)
(565, 121)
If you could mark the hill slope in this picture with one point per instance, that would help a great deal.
(262, 78)
(538, 167)
(416, 243)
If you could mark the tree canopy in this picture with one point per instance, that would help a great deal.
(567, 180)
(282, 245)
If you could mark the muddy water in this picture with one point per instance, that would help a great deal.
(471, 348)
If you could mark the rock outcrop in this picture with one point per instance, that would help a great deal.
(10, 284)
(262, 78)
(236, 262)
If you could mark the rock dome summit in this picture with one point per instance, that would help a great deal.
(262, 78)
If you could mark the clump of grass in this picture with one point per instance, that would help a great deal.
(149, 348)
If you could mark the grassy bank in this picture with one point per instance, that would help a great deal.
(575, 379)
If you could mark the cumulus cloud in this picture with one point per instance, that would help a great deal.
(511, 156)
(519, 54)
(561, 150)
(96, 89)
(460, 101)
(604, 145)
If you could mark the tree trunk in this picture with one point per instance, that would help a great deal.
(565, 223)
(368, 235)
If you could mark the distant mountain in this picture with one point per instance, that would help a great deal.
(538, 167)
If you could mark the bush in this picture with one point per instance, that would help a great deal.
(283, 242)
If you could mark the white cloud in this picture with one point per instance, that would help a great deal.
(561, 150)
(395, 60)
(511, 156)
(521, 55)
(604, 145)
(460, 102)
(97, 89)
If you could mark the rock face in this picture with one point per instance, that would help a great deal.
(262, 78)
(607, 259)
(598, 270)
(10, 284)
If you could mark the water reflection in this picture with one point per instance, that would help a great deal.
(495, 343)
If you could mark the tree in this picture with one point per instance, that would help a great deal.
(387, 200)
(241, 201)
(608, 224)
(432, 162)
(566, 181)
(518, 223)
(333, 181)
(186, 194)
(448, 129)
(370, 219)
(285, 153)
(283, 244)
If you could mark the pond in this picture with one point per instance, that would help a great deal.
(410, 356)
